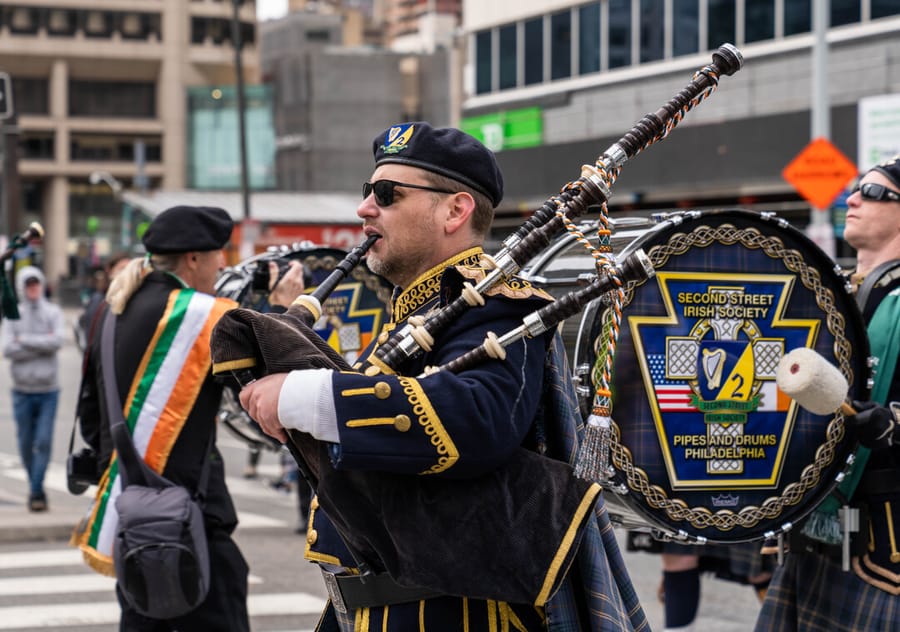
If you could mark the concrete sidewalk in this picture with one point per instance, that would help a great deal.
(18, 524)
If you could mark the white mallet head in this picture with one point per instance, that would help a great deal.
(812, 381)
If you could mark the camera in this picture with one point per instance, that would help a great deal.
(261, 277)
(81, 471)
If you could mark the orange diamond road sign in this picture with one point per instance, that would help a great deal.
(820, 172)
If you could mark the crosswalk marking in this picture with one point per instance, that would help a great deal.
(56, 584)
(35, 559)
(55, 479)
(76, 614)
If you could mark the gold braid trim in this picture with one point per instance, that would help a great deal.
(431, 423)
(428, 285)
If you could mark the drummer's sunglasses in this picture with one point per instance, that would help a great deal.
(384, 190)
(877, 193)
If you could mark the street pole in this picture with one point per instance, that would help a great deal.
(247, 236)
(820, 229)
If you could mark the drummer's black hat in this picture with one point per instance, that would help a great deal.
(890, 169)
(188, 229)
(446, 151)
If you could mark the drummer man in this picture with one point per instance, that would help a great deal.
(811, 591)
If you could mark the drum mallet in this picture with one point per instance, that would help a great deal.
(819, 387)
(813, 382)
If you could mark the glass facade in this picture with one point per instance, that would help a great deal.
(589, 39)
(587, 31)
(213, 147)
(534, 51)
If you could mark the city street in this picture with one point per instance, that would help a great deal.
(44, 584)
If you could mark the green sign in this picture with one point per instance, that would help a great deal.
(515, 129)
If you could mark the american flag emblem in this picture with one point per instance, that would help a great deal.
(672, 396)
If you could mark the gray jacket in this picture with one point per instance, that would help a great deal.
(32, 342)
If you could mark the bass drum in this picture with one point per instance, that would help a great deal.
(352, 315)
(705, 447)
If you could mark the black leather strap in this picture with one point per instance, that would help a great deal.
(871, 280)
(349, 592)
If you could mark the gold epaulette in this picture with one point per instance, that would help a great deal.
(509, 287)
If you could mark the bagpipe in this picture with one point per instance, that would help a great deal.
(8, 302)
(537, 501)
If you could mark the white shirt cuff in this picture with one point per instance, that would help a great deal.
(306, 403)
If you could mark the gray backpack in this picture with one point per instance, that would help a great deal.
(160, 551)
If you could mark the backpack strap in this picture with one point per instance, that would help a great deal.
(872, 279)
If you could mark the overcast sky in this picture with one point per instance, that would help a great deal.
(268, 9)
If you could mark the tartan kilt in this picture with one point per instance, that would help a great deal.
(811, 593)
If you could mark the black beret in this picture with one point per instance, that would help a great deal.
(890, 169)
(443, 150)
(188, 229)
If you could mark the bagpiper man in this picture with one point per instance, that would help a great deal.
(431, 198)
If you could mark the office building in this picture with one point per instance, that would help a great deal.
(101, 88)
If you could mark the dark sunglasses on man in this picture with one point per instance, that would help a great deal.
(877, 193)
(384, 190)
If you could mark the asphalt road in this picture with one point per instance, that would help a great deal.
(44, 584)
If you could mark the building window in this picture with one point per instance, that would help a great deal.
(652, 26)
(759, 23)
(31, 96)
(589, 39)
(508, 61)
(721, 23)
(797, 17)
(884, 8)
(36, 145)
(97, 24)
(561, 45)
(685, 31)
(619, 33)
(318, 35)
(844, 12)
(61, 22)
(483, 81)
(112, 98)
(534, 51)
(23, 20)
(112, 148)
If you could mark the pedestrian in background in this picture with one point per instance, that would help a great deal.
(32, 343)
(102, 278)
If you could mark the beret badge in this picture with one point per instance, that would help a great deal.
(397, 138)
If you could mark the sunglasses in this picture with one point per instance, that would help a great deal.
(877, 193)
(384, 190)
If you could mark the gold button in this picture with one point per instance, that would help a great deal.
(402, 423)
(372, 371)
(383, 337)
(382, 390)
(312, 536)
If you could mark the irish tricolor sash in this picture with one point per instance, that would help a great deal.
(161, 396)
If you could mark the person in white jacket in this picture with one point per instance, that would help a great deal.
(32, 343)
